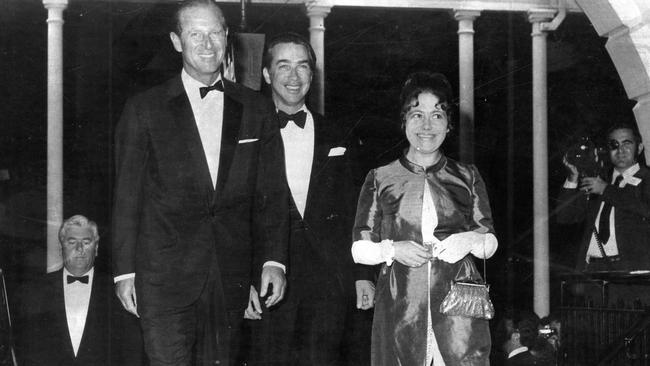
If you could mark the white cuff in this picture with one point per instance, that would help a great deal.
(570, 185)
(487, 248)
(275, 264)
(123, 277)
(387, 251)
(371, 253)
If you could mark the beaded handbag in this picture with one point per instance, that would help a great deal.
(469, 295)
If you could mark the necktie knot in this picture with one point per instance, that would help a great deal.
(204, 90)
(298, 118)
(82, 279)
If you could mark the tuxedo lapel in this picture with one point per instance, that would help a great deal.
(92, 325)
(60, 318)
(321, 150)
(232, 115)
(187, 130)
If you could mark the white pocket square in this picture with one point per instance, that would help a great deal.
(245, 141)
(336, 151)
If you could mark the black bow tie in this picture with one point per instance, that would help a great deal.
(298, 118)
(204, 90)
(82, 279)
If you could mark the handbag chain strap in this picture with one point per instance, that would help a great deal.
(484, 264)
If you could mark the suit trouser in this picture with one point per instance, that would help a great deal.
(307, 327)
(188, 335)
(299, 331)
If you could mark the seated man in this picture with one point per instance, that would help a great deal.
(70, 316)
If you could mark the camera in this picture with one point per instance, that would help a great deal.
(586, 157)
(546, 332)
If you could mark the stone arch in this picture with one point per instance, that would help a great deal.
(626, 24)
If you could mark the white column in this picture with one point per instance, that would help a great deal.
(465, 20)
(541, 293)
(54, 129)
(317, 11)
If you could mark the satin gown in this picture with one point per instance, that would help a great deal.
(390, 207)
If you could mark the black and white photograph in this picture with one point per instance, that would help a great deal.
(324, 182)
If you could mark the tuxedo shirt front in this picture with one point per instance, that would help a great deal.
(299, 154)
(77, 298)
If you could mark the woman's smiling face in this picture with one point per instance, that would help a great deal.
(426, 125)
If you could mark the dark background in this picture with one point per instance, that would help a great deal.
(112, 50)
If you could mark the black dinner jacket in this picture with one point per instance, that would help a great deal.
(44, 338)
(522, 359)
(631, 220)
(330, 209)
(169, 222)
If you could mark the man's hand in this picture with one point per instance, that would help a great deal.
(125, 291)
(411, 254)
(365, 294)
(593, 185)
(273, 275)
(254, 309)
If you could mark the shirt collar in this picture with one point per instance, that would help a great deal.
(307, 120)
(517, 351)
(629, 172)
(192, 85)
(303, 108)
(90, 274)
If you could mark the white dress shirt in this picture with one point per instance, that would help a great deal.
(77, 297)
(208, 114)
(611, 247)
(299, 155)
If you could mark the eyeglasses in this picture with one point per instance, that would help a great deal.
(615, 145)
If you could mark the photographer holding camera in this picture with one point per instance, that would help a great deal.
(521, 341)
(615, 211)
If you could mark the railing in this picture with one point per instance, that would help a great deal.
(604, 322)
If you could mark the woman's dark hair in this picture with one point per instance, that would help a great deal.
(425, 81)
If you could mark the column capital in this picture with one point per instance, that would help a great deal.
(318, 8)
(541, 15)
(466, 14)
(538, 17)
(55, 4)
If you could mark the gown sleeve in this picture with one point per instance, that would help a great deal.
(482, 217)
(368, 247)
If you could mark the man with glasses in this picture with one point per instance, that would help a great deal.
(616, 211)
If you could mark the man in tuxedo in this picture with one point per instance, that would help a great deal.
(615, 212)
(69, 317)
(307, 327)
(198, 192)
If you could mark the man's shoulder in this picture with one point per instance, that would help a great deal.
(331, 131)
(160, 92)
(53, 277)
(644, 171)
(242, 93)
